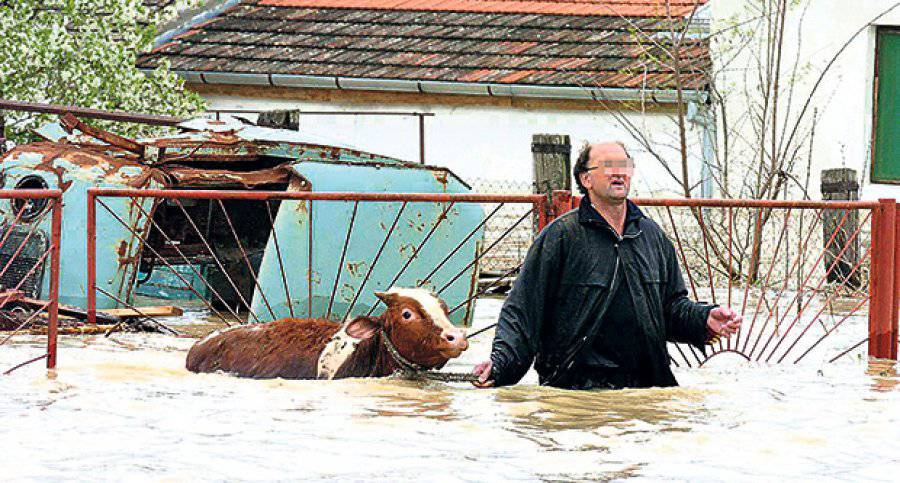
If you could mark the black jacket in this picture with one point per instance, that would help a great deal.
(563, 287)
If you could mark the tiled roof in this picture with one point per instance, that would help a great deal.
(624, 8)
(475, 47)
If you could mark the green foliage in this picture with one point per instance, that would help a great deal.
(82, 53)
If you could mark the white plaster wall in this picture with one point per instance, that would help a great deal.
(483, 142)
(844, 99)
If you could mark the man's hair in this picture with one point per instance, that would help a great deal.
(581, 163)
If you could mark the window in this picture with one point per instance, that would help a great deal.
(886, 142)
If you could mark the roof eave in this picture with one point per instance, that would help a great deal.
(612, 94)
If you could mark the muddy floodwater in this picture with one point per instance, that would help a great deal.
(124, 408)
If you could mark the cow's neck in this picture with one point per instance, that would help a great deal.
(384, 364)
(368, 357)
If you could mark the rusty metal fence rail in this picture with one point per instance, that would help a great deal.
(810, 278)
(30, 228)
(253, 256)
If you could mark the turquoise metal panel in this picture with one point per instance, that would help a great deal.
(330, 223)
(164, 284)
(316, 153)
(115, 244)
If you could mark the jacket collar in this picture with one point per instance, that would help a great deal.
(587, 214)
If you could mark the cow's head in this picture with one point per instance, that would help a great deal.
(417, 323)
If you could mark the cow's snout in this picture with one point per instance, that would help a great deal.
(456, 339)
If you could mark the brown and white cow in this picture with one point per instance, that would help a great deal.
(415, 322)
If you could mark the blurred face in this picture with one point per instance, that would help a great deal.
(608, 179)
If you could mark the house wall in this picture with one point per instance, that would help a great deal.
(844, 100)
(476, 137)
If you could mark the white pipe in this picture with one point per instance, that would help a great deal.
(664, 96)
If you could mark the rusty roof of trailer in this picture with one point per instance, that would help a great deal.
(186, 156)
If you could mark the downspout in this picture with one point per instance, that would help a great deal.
(700, 116)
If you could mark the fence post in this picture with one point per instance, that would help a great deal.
(562, 202)
(2, 135)
(841, 185)
(895, 323)
(91, 258)
(882, 288)
(551, 154)
(552, 163)
(53, 308)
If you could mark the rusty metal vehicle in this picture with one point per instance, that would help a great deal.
(224, 248)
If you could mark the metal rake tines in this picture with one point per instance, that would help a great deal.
(246, 258)
(274, 234)
(822, 280)
(384, 242)
(168, 265)
(215, 258)
(434, 227)
(340, 266)
(782, 263)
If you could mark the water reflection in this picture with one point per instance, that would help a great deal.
(398, 398)
(543, 408)
(884, 374)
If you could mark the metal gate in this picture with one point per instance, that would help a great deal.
(254, 256)
(30, 222)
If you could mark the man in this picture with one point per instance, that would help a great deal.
(599, 294)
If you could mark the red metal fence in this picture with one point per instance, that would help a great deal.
(803, 274)
(374, 238)
(809, 277)
(27, 295)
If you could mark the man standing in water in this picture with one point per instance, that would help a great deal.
(599, 294)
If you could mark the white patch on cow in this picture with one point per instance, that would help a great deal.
(336, 352)
(252, 328)
(429, 302)
(218, 332)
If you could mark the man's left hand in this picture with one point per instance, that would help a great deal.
(723, 321)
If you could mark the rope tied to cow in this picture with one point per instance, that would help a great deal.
(412, 371)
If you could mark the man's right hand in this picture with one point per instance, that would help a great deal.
(483, 371)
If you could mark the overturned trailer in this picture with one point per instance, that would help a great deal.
(270, 258)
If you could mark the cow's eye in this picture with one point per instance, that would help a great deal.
(406, 314)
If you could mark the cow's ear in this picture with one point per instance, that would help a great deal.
(386, 297)
(362, 327)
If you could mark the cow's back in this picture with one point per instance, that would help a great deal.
(286, 348)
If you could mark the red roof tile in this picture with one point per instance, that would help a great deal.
(624, 8)
(519, 48)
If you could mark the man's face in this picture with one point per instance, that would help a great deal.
(609, 173)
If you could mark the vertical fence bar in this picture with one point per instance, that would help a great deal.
(309, 257)
(882, 328)
(561, 202)
(542, 208)
(421, 138)
(895, 312)
(91, 257)
(53, 307)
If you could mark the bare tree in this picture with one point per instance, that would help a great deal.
(757, 96)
